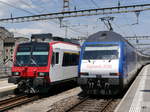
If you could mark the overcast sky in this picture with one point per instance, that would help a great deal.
(78, 27)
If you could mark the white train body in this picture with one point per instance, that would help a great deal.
(60, 71)
(99, 66)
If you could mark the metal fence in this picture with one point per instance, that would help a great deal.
(5, 72)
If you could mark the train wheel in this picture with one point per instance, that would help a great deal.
(84, 89)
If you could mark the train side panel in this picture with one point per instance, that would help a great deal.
(131, 62)
(65, 61)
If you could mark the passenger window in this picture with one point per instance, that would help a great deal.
(70, 59)
(55, 58)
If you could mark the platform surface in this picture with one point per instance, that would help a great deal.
(137, 98)
(4, 85)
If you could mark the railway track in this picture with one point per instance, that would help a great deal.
(16, 101)
(94, 105)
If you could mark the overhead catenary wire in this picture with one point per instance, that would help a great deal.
(68, 27)
(119, 28)
(94, 3)
(127, 20)
(25, 3)
(41, 6)
(54, 0)
(18, 8)
(29, 5)
(10, 5)
(85, 3)
(74, 30)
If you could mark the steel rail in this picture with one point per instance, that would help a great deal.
(16, 101)
(83, 100)
(106, 106)
(103, 105)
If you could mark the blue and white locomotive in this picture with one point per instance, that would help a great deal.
(108, 63)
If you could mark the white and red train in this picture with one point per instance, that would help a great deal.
(39, 65)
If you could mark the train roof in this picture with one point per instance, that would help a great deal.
(110, 36)
(48, 38)
(103, 36)
(34, 43)
(66, 40)
(107, 36)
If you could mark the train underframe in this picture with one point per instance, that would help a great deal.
(30, 85)
(101, 86)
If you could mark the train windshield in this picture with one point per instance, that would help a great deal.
(101, 52)
(32, 56)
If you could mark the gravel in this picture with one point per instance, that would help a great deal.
(55, 103)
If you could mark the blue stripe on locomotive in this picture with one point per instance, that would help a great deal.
(81, 56)
(121, 60)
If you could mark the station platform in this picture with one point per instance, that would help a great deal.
(137, 98)
(5, 87)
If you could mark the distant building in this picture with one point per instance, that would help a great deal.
(4, 33)
(1, 51)
(19, 40)
(7, 46)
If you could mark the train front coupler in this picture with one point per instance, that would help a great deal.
(25, 86)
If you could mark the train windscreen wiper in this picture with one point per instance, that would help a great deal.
(17, 63)
(34, 62)
(89, 60)
(109, 60)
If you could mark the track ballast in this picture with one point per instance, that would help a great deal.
(95, 105)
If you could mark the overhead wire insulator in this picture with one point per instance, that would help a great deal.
(60, 20)
(137, 13)
(137, 16)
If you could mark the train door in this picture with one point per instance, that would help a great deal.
(55, 69)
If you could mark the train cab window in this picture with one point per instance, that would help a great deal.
(101, 54)
(24, 49)
(55, 58)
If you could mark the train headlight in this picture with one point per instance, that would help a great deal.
(16, 73)
(81, 73)
(43, 74)
(114, 74)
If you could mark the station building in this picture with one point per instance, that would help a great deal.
(7, 46)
